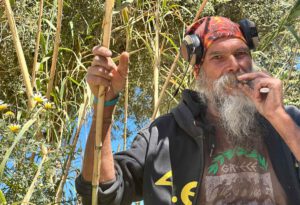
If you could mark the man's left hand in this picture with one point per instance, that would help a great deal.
(267, 104)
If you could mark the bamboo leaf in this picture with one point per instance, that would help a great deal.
(62, 88)
(74, 81)
(294, 33)
(295, 12)
(2, 198)
(50, 24)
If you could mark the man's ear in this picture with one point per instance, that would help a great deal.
(196, 71)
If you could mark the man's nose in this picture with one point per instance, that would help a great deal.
(233, 64)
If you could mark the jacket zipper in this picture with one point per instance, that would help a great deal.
(196, 199)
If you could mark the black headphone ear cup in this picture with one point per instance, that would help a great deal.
(250, 33)
(191, 49)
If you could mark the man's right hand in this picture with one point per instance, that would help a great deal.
(104, 72)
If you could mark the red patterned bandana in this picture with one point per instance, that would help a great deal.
(210, 29)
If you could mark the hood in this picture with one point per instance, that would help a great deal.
(190, 114)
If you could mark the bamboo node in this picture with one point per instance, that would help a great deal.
(98, 147)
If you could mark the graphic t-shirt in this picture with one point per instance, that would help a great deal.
(235, 175)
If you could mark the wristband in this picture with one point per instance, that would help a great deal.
(108, 103)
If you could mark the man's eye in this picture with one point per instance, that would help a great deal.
(217, 57)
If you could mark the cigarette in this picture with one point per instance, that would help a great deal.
(264, 90)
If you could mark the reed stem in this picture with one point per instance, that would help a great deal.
(20, 53)
(37, 45)
(56, 47)
(107, 24)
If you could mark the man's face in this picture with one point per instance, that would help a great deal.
(225, 59)
(225, 56)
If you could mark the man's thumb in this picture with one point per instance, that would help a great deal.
(123, 64)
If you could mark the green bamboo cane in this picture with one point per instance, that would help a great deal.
(20, 53)
(107, 24)
(173, 67)
(56, 47)
(37, 44)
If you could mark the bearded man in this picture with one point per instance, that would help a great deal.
(227, 142)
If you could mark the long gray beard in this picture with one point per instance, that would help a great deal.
(238, 114)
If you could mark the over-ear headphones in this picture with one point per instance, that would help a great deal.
(192, 48)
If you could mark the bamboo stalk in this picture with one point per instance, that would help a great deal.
(20, 53)
(125, 115)
(200, 11)
(37, 44)
(56, 47)
(173, 67)
(58, 196)
(107, 24)
(125, 17)
(156, 55)
(29, 193)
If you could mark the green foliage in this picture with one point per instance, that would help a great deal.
(2, 198)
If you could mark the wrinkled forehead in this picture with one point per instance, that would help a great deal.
(227, 45)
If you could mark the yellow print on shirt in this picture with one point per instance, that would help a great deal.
(187, 192)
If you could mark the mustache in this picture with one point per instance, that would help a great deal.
(228, 81)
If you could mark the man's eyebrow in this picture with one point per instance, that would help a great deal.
(243, 49)
(215, 53)
(212, 53)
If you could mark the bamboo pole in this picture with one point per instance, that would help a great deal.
(107, 24)
(20, 53)
(56, 47)
(125, 18)
(200, 11)
(173, 67)
(29, 193)
(125, 115)
(156, 55)
(37, 44)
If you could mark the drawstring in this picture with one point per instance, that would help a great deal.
(212, 142)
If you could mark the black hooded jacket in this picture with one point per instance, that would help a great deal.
(165, 163)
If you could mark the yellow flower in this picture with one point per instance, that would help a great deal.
(48, 105)
(39, 98)
(3, 106)
(14, 128)
(9, 114)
